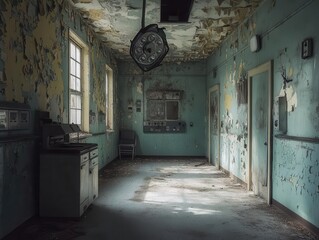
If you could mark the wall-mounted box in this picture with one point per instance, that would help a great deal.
(307, 48)
(280, 115)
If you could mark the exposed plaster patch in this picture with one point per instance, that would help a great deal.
(291, 95)
(228, 101)
(139, 88)
(95, 14)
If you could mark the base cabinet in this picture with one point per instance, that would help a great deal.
(65, 184)
(17, 184)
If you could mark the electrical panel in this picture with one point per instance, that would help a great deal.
(14, 116)
(163, 112)
(164, 127)
(307, 48)
(280, 115)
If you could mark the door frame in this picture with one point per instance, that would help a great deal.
(214, 88)
(266, 67)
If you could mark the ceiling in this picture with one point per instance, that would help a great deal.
(116, 22)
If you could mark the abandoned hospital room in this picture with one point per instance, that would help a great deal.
(159, 119)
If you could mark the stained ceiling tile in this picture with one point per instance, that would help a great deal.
(116, 22)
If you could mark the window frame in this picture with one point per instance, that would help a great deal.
(84, 80)
(109, 99)
(73, 91)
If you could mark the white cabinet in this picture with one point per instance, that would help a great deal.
(93, 180)
(65, 183)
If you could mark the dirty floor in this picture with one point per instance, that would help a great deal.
(155, 199)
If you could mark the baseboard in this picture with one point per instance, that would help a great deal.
(312, 228)
(171, 157)
(232, 176)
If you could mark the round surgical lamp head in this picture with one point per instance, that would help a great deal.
(149, 47)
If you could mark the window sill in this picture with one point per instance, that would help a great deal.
(110, 130)
(83, 135)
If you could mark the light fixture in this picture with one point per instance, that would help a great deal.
(149, 46)
(255, 43)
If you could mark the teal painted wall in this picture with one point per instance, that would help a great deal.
(188, 77)
(283, 26)
(34, 70)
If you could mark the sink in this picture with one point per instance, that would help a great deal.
(74, 146)
(71, 145)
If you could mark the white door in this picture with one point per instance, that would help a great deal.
(260, 129)
(213, 130)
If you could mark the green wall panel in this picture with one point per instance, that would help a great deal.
(187, 77)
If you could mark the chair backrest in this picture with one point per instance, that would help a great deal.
(127, 137)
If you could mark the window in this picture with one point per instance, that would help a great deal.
(109, 98)
(75, 84)
(163, 105)
(78, 82)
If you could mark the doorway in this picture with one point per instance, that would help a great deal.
(214, 126)
(260, 83)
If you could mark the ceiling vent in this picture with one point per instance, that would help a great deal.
(176, 11)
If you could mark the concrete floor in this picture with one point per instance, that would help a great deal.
(168, 199)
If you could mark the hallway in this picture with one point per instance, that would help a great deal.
(168, 199)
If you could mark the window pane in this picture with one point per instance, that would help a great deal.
(72, 116)
(155, 110)
(172, 110)
(78, 112)
(72, 50)
(78, 70)
(73, 101)
(78, 85)
(72, 82)
(78, 55)
(72, 66)
(78, 105)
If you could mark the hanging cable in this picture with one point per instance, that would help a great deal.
(143, 13)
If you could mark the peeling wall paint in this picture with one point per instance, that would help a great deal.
(297, 175)
(34, 66)
(35, 60)
(228, 101)
(295, 163)
(291, 96)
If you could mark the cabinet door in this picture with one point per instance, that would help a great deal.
(1, 190)
(84, 189)
(18, 165)
(94, 182)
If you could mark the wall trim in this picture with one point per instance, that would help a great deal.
(232, 176)
(172, 157)
(312, 228)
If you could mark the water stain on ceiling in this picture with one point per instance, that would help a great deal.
(116, 22)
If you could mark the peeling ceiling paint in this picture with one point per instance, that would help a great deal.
(116, 22)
